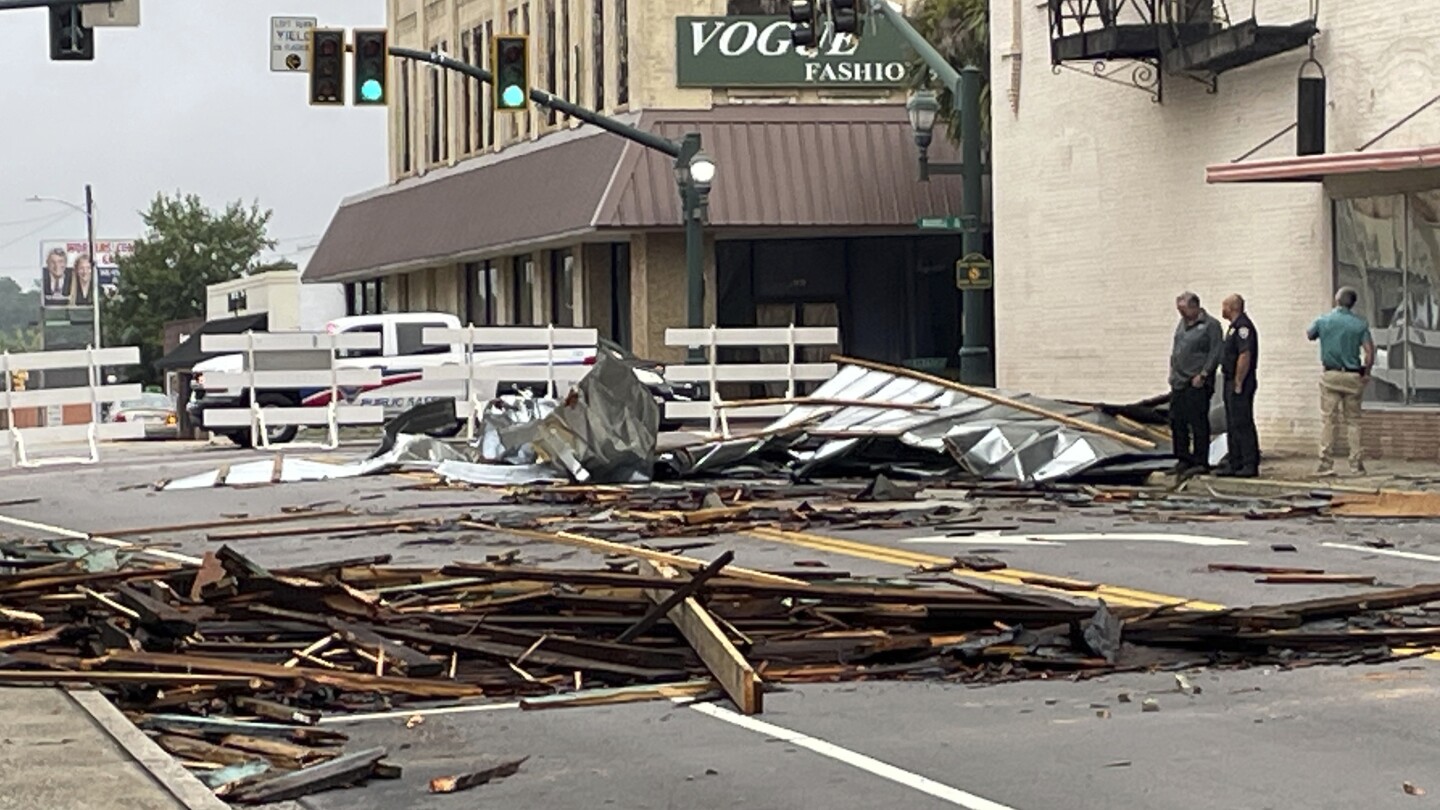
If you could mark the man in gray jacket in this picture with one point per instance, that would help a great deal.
(1199, 344)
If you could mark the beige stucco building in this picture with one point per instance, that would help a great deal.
(531, 218)
(1115, 193)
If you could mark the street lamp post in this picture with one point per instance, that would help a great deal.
(694, 174)
(976, 363)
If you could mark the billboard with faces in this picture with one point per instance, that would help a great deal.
(70, 277)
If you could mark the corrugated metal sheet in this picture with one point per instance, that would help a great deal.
(788, 166)
(527, 194)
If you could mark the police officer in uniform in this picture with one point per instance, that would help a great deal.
(1241, 358)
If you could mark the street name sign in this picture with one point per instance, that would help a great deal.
(290, 44)
(116, 13)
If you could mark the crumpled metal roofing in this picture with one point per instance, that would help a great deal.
(986, 439)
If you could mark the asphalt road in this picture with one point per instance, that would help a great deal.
(1324, 737)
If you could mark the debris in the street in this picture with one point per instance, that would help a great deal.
(1412, 789)
(451, 784)
(1263, 569)
(1149, 705)
(1387, 504)
(1119, 763)
(1283, 547)
(1317, 579)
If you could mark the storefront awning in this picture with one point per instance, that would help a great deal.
(188, 354)
(1320, 168)
(848, 167)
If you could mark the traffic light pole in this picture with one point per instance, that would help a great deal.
(691, 197)
(976, 361)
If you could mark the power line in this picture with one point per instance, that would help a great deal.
(15, 222)
(52, 221)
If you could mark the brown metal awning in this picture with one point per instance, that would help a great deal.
(847, 167)
(1319, 168)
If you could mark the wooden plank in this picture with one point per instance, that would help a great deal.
(357, 681)
(343, 528)
(297, 416)
(1317, 579)
(288, 341)
(620, 694)
(607, 547)
(258, 520)
(406, 660)
(294, 378)
(346, 770)
(729, 667)
(518, 337)
(752, 372)
(675, 597)
(65, 396)
(75, 358)
(451, 784)
(1263, 569)
(561, 372)
(754, 336)
(990, 396)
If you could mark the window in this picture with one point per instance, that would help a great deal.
(467, 96)
(353, 300)
(565, 51)
(369, 298)
(1388, 249)
(524, 297)
(622, 72)
(406, 166)
(551, 39)
(597, 55)
(442, 123)
(373, 329)
(620, 292)
(432, 91)
(562, 287)
(410, 339)
(480, 280)
(484, 121)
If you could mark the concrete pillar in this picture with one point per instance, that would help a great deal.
(657, 287)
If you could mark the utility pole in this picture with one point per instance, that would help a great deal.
(977, 365)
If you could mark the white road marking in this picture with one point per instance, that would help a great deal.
(997, 538)
(1390, 552)
(95, 538)
(404, 715)
(870, 765)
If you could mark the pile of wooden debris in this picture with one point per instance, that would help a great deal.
(231, 666)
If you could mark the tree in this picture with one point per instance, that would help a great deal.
(19, 317)
(960, 31)
(186, 248)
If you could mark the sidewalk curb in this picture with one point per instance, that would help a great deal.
(190, 792)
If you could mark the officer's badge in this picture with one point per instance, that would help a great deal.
(1244, 333)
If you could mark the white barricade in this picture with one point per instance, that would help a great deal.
(480, 372)
(713, 372)
(22, 440)
(293, 361)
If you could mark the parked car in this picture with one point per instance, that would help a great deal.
(402, 357)
(153, 410)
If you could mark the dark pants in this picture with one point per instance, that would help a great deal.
(1240, 428)
(1190, 424)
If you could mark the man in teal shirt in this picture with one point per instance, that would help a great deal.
(1344, 337)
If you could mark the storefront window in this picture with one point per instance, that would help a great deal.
(524, 297)
(597, 55)
(480, 306)
(487, 111)
(622, 71)
(550, 56)
(562, 287)
(1388, 248)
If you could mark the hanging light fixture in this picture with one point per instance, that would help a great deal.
(1310, 107)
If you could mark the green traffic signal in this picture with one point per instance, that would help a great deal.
(372, 61)
(511, 61)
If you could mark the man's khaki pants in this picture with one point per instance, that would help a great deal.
(1340, 393)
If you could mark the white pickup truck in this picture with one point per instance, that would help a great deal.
(402, 358)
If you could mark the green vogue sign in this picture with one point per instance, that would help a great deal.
(756, 52)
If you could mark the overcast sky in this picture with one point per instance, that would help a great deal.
(184, 102)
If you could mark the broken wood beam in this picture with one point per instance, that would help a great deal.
(451, 784)
(260, 520)
(339, 772)
(662, 608)
(357, 681)
(1317, 579)
(607, 547)
(621, 694)
(1263, 569)
(729, 667)
(366, 527)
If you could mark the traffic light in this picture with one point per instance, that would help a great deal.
(70, 39)
(844, 16)
(805, 14)
(327, 66)
(512, 72)
(372, 62)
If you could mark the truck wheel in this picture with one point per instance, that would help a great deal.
(276, 435)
